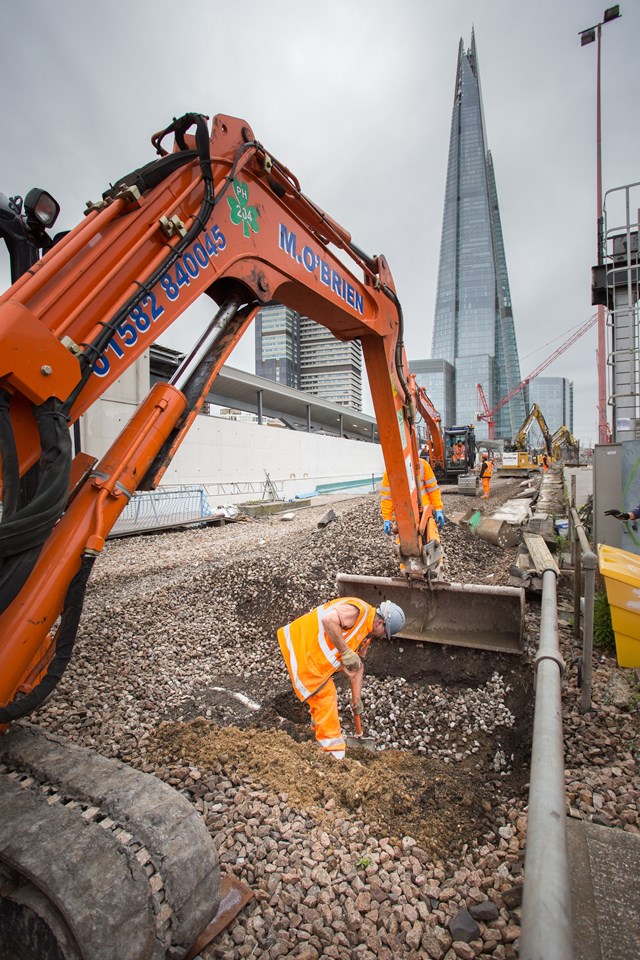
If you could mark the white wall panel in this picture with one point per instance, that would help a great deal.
(218, 451)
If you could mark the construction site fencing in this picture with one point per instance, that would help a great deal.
(584, 559)
(547, 929)
(291, 488)
(163, 508)
(181, 504)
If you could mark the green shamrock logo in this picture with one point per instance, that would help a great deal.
(240, 212)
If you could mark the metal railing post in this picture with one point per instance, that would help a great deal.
(590, 563)
(590, 566)
(575, 559)
(577, 583)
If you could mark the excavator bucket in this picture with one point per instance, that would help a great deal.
(455, 614)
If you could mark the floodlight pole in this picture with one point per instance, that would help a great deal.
(604, 433)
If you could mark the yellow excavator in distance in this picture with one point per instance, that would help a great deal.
(535, 415)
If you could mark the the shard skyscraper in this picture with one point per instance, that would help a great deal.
(473, 328)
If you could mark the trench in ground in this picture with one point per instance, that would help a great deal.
(446, 796)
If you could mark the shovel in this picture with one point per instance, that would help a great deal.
(359, 740)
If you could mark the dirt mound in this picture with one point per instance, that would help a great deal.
(397, 794)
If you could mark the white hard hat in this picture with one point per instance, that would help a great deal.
(393, 616)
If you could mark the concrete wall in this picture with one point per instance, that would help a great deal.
(230, 457)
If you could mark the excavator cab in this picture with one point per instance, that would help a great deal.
(460, 446)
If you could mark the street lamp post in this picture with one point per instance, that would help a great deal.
(590, 35)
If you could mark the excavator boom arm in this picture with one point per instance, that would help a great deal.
(219, 216)
(535, 415)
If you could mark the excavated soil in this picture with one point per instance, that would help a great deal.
(396, 793)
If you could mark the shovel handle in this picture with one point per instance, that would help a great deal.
(357, 723)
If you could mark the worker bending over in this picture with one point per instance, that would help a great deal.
(333, 637)
(486, 471)
(429, 495)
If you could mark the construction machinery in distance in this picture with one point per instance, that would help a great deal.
(459, 453)
(521, 461)
(122, 865)
(565, 446)
(535, 415)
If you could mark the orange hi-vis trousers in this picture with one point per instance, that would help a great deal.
(486, 483)
(325, 720)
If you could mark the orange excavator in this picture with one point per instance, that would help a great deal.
(95, 860)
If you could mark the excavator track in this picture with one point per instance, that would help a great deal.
(97, 861)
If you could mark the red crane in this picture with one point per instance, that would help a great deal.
(489, 415)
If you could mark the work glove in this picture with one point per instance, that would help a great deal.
(350, 661)
(386, 526)
(358, 706)
(615, 513)
(440, 518)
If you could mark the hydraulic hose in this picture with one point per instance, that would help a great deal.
(400, 343)
(64, 641)
(25, 527)
(94, 350)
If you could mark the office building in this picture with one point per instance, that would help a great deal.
(308, 354)
(554, 396)
(330, 369)
(439, 380)
(473, 327)
(277, 345)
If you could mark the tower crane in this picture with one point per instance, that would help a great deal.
(489, 415)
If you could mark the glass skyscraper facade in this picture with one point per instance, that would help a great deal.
(554, 396)
(473, 327)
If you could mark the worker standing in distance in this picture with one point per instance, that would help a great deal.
(333, 637)
(486, 471)
(545, 463)
(429, 495)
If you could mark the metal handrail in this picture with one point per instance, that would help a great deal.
(582, 557)
(547, 929)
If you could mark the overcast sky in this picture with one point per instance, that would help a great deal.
(355, 98)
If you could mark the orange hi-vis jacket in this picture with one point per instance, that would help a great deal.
(309, 654)
(429, 491)
(486, 470)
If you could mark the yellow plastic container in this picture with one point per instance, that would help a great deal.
(621, 572)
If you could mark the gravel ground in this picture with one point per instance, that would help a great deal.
(415, 851)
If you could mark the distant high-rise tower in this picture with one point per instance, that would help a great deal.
(330, 369)
(294, 350)
(473, 329)
(554, 396)
(278, 345)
